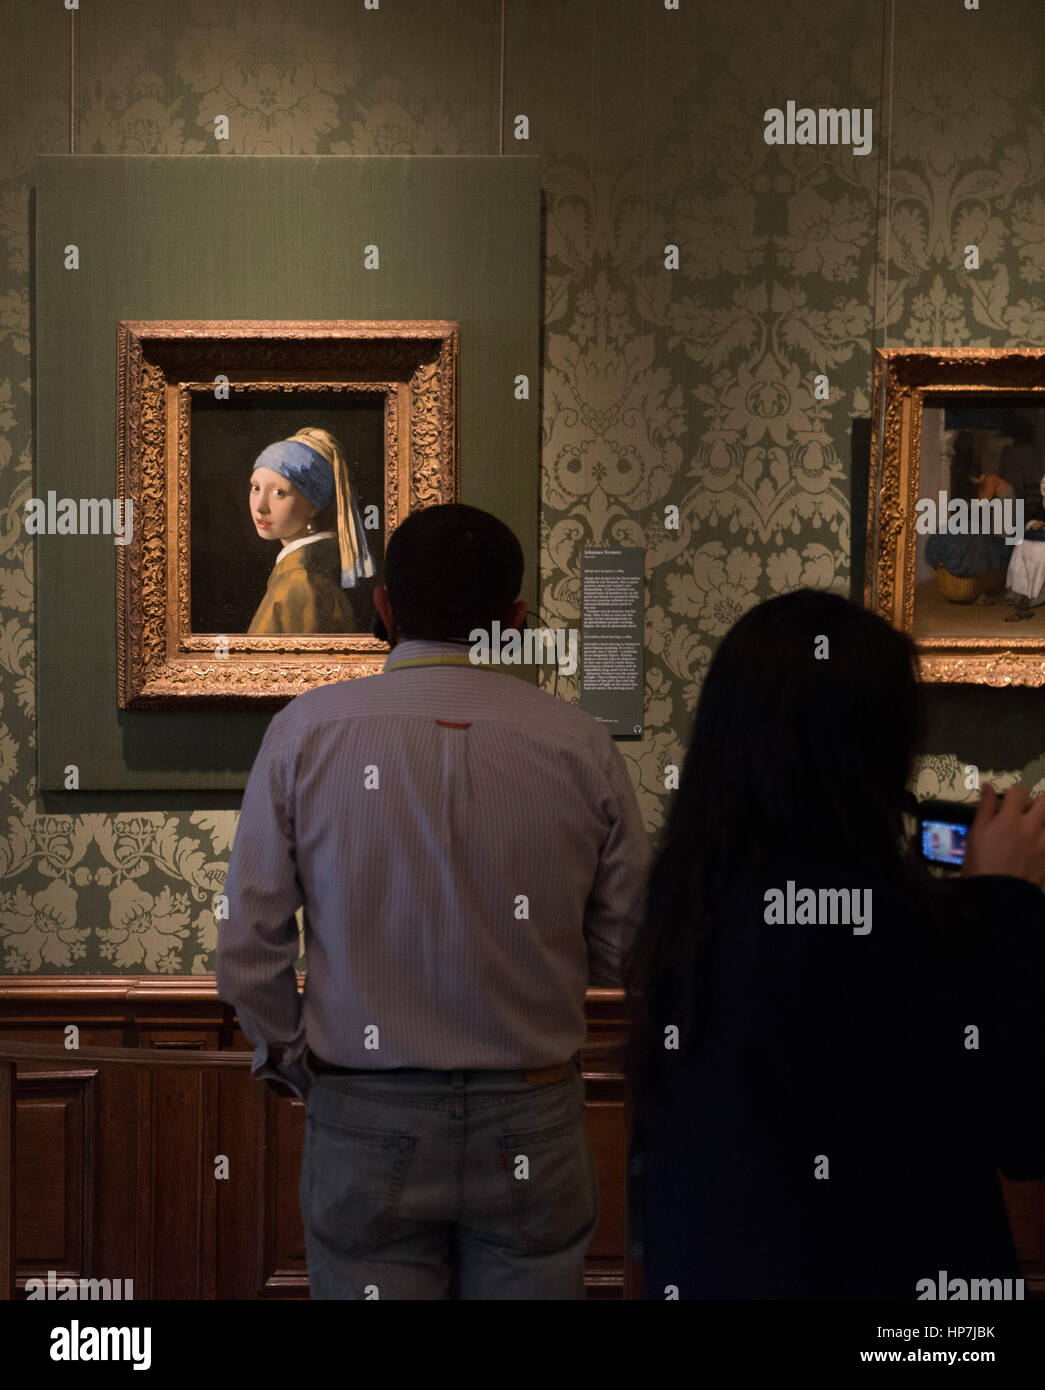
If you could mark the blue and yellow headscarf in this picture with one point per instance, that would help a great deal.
(320, 479)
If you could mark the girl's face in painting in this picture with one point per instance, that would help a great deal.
(279, 511)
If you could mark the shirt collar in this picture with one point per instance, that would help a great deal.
(414, 648)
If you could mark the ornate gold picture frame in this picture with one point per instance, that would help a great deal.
(196, 399)
(956, 501)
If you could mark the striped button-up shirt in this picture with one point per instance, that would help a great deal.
(469, 855)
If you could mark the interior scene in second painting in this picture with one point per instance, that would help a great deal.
(984, 575)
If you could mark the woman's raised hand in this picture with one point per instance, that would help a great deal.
(1008, 836)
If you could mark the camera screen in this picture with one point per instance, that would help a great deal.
(944, 841)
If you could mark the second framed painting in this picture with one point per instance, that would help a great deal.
(267, 463)
(956, 510)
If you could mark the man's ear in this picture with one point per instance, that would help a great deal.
(384, 612)
(517, 615)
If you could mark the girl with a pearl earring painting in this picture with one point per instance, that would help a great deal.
(300, 494)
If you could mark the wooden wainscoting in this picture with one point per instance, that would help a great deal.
(115, 1164)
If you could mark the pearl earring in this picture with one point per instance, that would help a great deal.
(311, 525)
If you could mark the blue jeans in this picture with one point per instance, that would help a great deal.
(447, 1184)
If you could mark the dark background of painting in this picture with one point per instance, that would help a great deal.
(1000, 415)
(230, 562)
(991, 412)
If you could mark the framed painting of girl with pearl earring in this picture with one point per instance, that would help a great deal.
(267, 463)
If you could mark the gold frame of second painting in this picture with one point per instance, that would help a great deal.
(161, 663)
(903, 378)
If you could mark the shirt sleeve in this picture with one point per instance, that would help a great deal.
(617, 900)
(258, 941)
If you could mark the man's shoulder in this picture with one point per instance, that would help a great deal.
(499, 697)
(558, 713)
(338, 698)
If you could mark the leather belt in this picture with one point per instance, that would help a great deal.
(541, 1076)
(535, 1076)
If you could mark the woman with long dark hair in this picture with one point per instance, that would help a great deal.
(832, 1051)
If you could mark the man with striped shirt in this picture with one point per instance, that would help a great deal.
(469, 855)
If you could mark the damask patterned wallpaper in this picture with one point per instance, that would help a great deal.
(690, 387)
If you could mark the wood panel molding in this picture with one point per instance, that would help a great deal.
(160, 1086)
(157, 1089)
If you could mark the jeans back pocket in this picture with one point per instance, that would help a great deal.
(554, 1188)
(352, 1180)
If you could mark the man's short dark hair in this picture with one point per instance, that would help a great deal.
(450, 569)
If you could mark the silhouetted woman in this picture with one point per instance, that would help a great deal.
(826, 1083)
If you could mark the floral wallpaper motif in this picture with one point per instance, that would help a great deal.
(691, 388)
(279, 94)
(162, 928)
